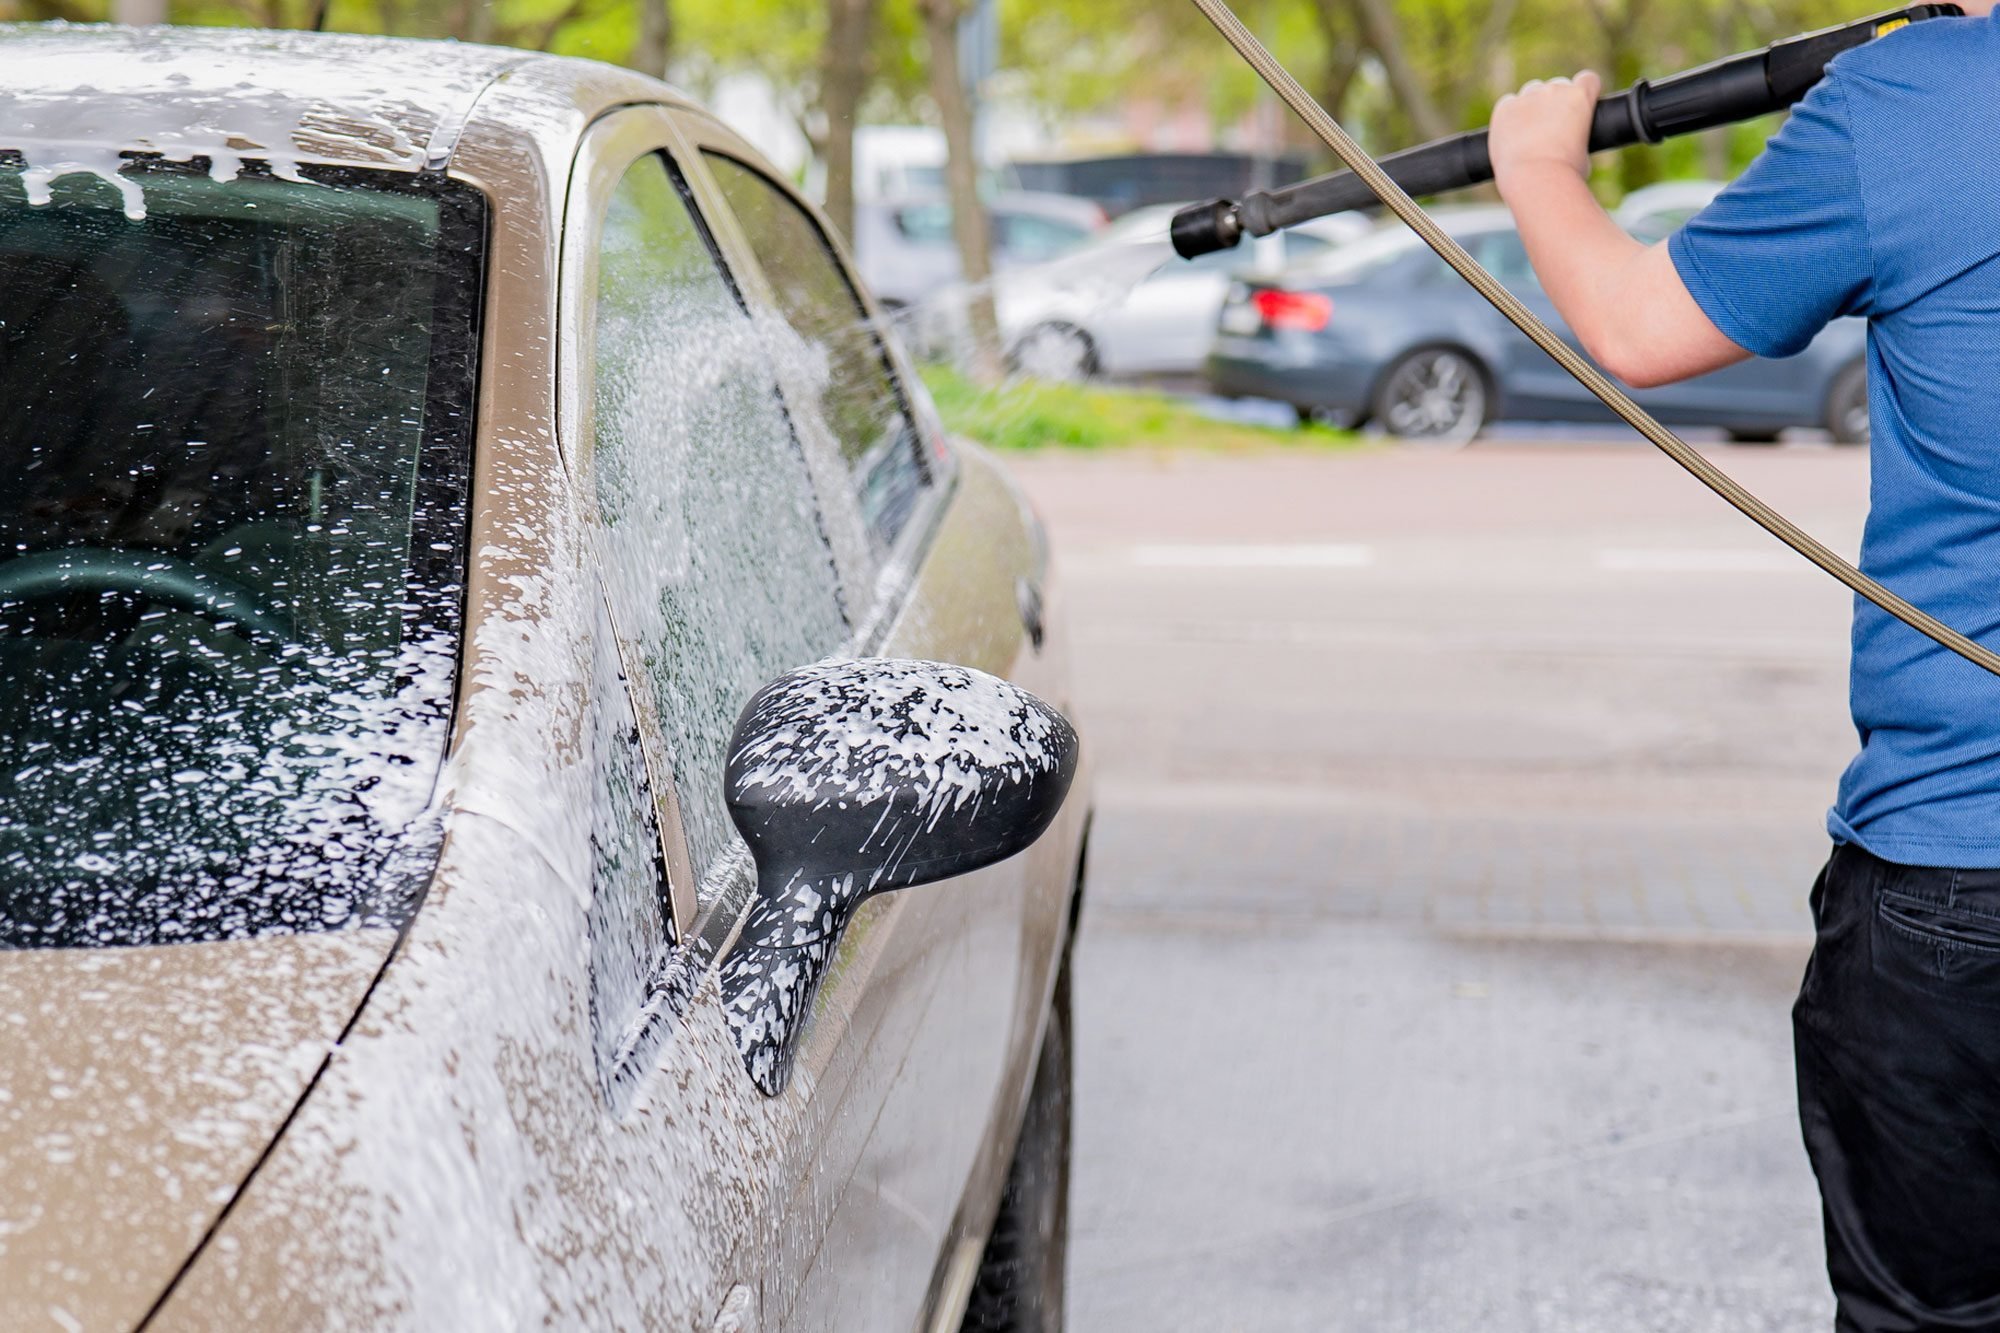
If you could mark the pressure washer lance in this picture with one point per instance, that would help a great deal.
(1397, 200)
(1732, 89)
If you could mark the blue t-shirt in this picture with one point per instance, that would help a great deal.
(1881, 197)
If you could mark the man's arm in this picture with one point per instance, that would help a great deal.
(1624, 300)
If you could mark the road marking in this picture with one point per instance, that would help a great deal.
(1701, 560)
(1322, 555)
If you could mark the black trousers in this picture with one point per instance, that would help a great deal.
(1897, 1031)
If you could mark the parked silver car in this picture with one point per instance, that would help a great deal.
(1383, 331)
(1122, 306)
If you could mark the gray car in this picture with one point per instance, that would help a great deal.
(1383, 331)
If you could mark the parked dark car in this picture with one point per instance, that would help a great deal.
(1381, 330)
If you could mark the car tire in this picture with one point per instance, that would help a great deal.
(1019, 1288)
(1061, 353)
(1434, 395)
(1847, 405)
(1751, 435)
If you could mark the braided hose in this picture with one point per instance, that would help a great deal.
(1392, 195)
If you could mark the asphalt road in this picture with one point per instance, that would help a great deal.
(1456, 813)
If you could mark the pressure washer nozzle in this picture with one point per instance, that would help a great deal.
(1202, 229)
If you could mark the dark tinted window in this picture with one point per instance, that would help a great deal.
(858, 397)
(233, 438)
(718, 573)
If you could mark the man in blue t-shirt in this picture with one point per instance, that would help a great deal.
(1880, 198)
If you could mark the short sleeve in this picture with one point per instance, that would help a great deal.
(1784, 250)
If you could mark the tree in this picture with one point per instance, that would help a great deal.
(968, 213)
(844, 74)
(655, 47)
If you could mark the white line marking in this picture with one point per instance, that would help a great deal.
(1325, 555)
(1699, 560)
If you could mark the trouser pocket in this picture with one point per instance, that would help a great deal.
(1943, 949)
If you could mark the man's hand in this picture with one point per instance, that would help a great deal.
(1544, 127)
(1624, 301)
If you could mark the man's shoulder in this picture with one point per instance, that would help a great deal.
(1934, 55)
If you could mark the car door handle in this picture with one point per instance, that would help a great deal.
(1029, 598)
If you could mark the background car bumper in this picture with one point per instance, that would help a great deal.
(1302, 379)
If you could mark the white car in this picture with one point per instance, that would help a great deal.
(1124, 305)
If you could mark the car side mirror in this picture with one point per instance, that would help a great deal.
(851, 778)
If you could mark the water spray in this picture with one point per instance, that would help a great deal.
(1732, 87)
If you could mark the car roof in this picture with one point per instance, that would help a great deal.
(68, 90)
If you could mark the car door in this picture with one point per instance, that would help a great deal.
(940, 988)
(721, 568)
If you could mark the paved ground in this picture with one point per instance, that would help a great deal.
(1456, 812)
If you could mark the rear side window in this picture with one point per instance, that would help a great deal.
(716, 569)
(858, 396)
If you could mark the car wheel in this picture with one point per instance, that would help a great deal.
(1847, 405)
(1020, 1284)
(1751, 435)
(1054, 352)
(1436, 395)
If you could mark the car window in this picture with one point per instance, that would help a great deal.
(718, 574)
(925, 224)
(858, 396)
(1029, 236)
(1502, 254)
(231, 547)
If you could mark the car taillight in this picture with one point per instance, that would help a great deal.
(1308, 311)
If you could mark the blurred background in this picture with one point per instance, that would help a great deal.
(1461, 763)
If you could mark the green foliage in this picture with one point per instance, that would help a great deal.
(1071, 58)
(1026, 414)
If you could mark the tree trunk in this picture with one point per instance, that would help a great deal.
(968, 214)
(1377, 21)
(1343, 58)
(1491, 61)
(655, 46)
(843, 80)
(139, 13)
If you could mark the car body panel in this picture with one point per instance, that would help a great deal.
(142, 1086)
(461, 1160)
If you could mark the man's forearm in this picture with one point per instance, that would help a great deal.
(1625, 301)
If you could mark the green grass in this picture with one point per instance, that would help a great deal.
(1028, 414)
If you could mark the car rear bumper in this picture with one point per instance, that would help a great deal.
(1294, 373)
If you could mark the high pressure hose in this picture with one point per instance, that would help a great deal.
(1398, 202)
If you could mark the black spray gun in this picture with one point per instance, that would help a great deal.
(1741, 86)
(1732, 89)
